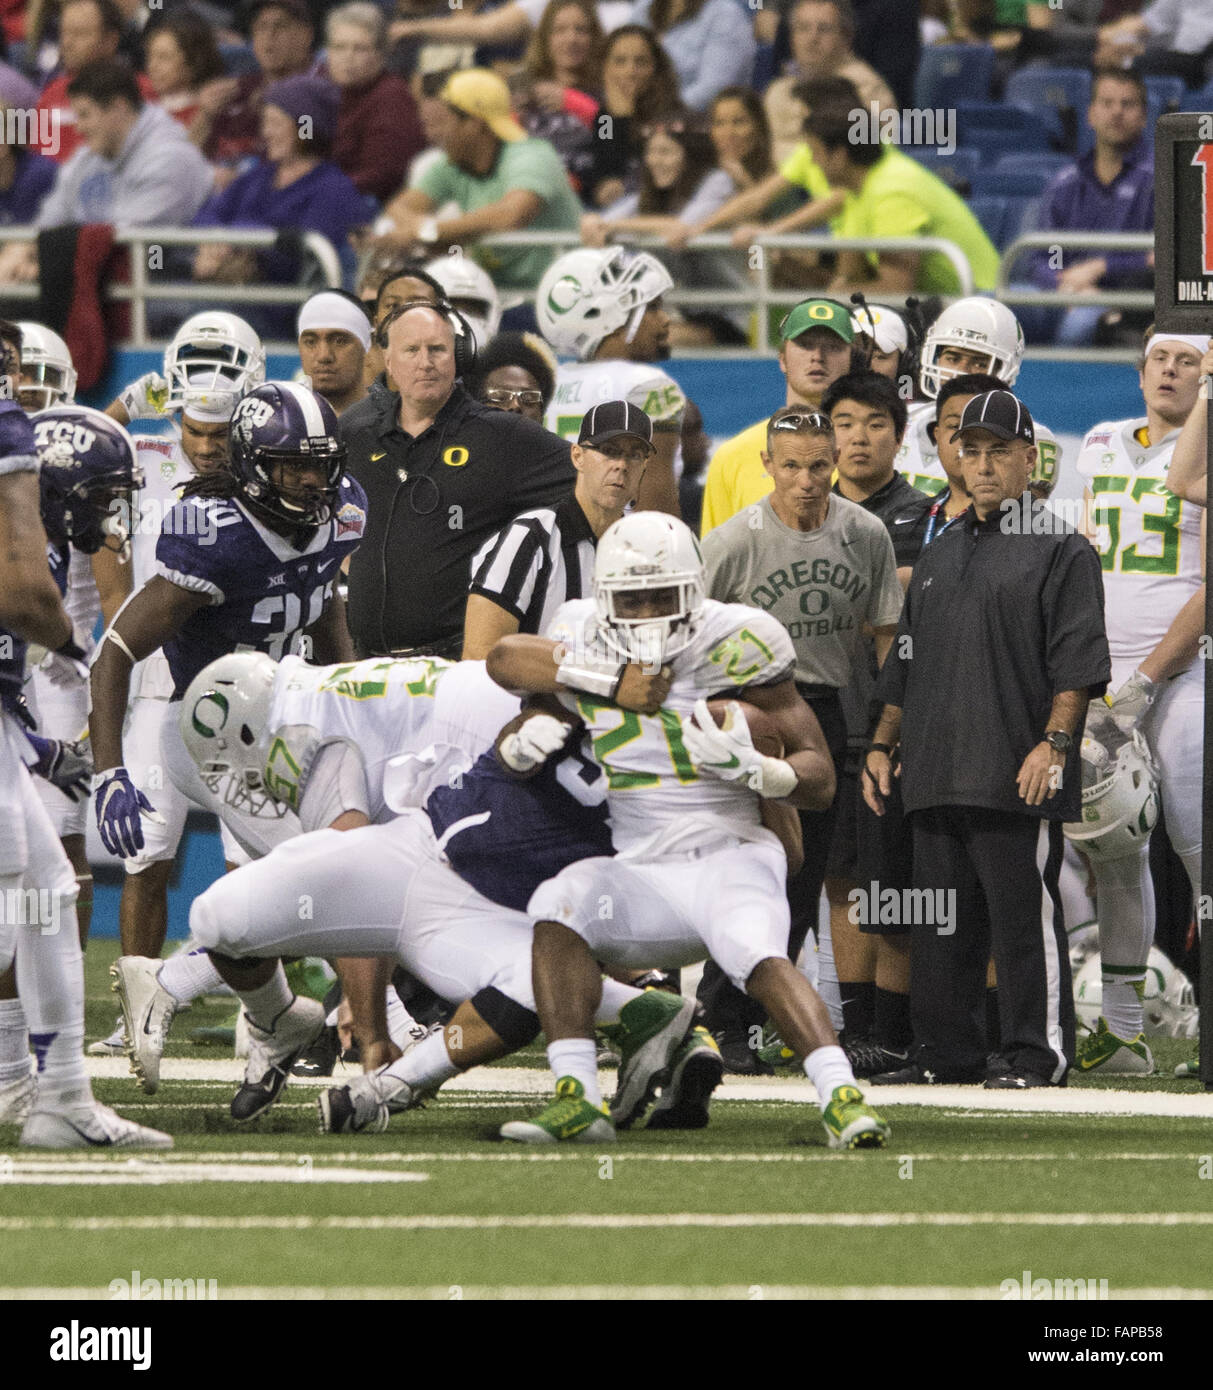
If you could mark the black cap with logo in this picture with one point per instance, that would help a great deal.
(999, 412)
(610, 419)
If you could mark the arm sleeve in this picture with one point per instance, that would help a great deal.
(437, 181)
(1076, 643)
(56, 209)
(336, 783)
(508, 567)
(886, 588)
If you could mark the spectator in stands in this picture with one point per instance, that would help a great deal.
(228, 125)
(25, 178)
(821, 33)
(710, 42)
(88, 30)
(181, 57)
(517, 371)
(1109, 189)
(511, 23)
(378, 128)
(553, 93)
(1168, 36)
(294, 187)
(888, 194)
(638, 85)
(741, 134)
(501, 181)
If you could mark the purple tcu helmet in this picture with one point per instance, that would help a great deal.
(86, 472)
(281, 422)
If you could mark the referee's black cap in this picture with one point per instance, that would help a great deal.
(999, 412)
(610, 419)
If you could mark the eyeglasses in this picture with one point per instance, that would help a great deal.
(813, 421)
(998, 453)
(498, 395)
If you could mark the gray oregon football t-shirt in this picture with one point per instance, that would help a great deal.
(822, 585)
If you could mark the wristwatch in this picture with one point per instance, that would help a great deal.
(1059, 741)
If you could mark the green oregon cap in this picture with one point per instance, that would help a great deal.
(818, 313)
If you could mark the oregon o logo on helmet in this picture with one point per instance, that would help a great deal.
(221, 704)
(569, 290)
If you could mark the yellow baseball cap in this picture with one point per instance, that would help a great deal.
(480, 93)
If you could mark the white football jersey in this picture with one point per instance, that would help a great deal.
(658, 803)
(165, 471)
(918, 459)
(580, 385)
(431, 714)
(1148, 538)
(82, 601)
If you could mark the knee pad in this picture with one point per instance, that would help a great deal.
(514, 1025)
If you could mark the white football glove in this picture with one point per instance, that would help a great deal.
(66, 667)
(729, 752)
(534, 742)
(1131, 701)
(145, 398)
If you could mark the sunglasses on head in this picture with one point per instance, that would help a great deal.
(810, 420)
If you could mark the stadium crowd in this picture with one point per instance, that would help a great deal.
(481, 457)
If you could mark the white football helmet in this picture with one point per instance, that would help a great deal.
(977, 324)
(225, 727)
(469, 288)
(885, 326)
(213, 356)
(648, 550)
(587, 294)
(1119, 797)
(48, 377)
(1168, 1004)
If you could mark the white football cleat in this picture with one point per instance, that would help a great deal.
(16, 1099)
(147, 1010)
(272, 1055)
(91, 1126)
(113, 1046)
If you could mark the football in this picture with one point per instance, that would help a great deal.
(762, 727)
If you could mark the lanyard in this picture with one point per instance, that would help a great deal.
(933, 517)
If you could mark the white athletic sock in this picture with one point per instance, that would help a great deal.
(614, 997)
(264, 1004)
(1126, 933)
(50, 981)
(14, 1041)
(426, 1065)
(400, 1023)
(578, 1058)
(189, 975)
(827, 1068)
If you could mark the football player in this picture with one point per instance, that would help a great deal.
(696, 872)
(468, 287)
(71, 474)
(1151, 548)
(247, 560)
(603, 308)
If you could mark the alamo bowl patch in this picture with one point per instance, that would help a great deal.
(350, 519)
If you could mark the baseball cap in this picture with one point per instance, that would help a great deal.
(999, 412)
(886, 328)
(610, 419)
(817, 313)
(480, 93)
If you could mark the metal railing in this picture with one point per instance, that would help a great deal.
(1074, 241)
(142, 289)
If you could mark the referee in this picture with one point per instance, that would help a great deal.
(1001, 644)
(442, 472)
(546, 555)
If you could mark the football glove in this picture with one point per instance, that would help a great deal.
(534, 742)
(120, 806)
(1131, 701)
(65, 765)
(146, 398)
(66, 666)
(729, 753)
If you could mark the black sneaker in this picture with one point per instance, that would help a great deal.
(917, 1075)
(320, 1058)
(868, 1058)
(739, 1057)
(1019, 1081)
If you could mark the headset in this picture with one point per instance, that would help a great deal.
(465, 338)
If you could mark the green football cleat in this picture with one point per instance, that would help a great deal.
(775, 1052)
(569, 1118)
(851, 1124)
(1189, 1070)
(1114, 1056)
(652, 1028)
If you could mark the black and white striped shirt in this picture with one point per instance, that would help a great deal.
(541, 559)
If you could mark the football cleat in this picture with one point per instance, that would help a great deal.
(1189, 1070)
(367, 1103)
(91, 1126)
(321, 1057)
(16, 1099)
(569, 1118)
(695, 1073)
(1102, 1050)
(147, 1011)
(868, 1058)
(653, 1026)
(740, 1057)
(850, 1124)
(113, 1046)
(272, 1054)
(774, 1051)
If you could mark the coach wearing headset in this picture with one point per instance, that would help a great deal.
(442, 472)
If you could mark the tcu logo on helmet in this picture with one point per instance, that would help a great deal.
(251, 414)
(62, 441)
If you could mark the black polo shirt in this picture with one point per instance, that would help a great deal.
(432, 501)
(998, 620)
(919, 522)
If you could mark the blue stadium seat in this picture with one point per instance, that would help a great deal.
(1198, 101)
(237, 58)
(1064, 91)
(1169, 91)
(998, 128)
(1022, 183)
(953, 72)
(957, 169)
(1036, 163)
(1001, 217)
